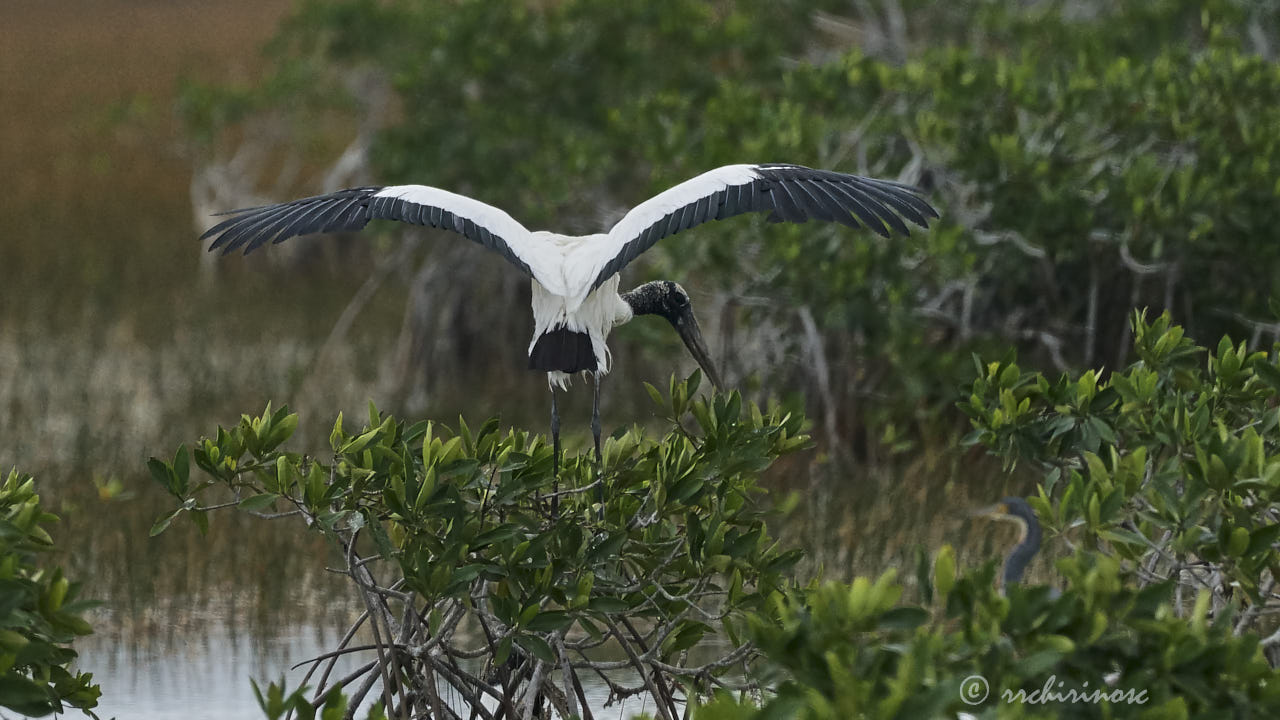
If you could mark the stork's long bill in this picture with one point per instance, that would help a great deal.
(575, 278)
(691, 334)
(668, 299)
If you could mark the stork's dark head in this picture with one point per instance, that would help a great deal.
(668, 299)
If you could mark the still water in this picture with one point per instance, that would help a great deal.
(205, 677)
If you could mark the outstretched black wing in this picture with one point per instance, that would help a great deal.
(789, 193)
(350, 210)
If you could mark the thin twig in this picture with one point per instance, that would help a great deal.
(639, 666)
(383, 668)
(534, 689)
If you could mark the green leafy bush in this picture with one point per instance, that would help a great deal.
(852, 651)
(40, 615)
(662, 549)
(1172, 465)
(1161, 476)
(1164, 476)
(276, 704)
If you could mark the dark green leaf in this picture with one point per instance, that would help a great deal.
(258, 502)
(551, 620)
(163, 523)
(537, 647)
(903, 618)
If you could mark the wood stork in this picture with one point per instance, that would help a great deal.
(575, 278)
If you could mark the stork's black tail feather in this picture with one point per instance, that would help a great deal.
(564, 350)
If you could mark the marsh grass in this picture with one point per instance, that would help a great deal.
(95, 171)
(104, 355)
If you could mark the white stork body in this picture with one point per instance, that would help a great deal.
(599, 312)
(575, 278)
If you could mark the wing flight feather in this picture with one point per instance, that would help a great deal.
(352, 209)
(789, 193)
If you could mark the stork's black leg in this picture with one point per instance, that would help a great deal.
(595, 419)
(555, 450)
(595, 434)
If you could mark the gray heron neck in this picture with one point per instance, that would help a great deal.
(1021, 556)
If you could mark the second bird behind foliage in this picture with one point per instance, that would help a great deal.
(575, 278)
(1016, 510)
